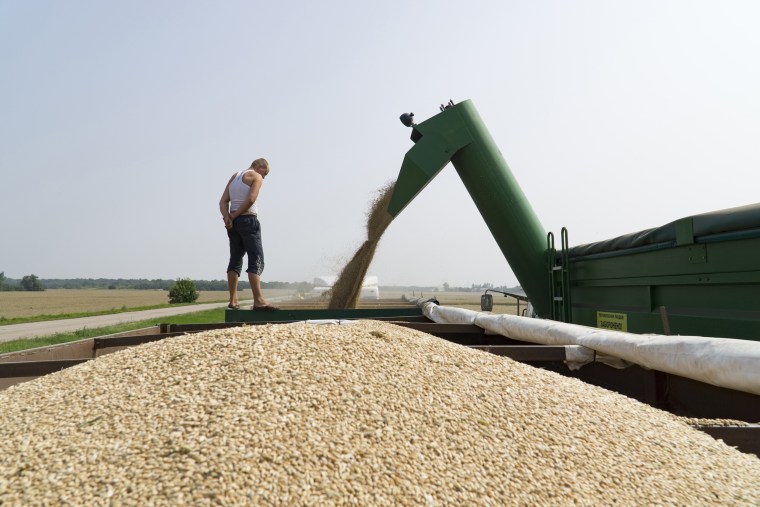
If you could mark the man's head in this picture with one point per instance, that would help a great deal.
(261, 166)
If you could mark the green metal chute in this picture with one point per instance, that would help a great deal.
(457, 135)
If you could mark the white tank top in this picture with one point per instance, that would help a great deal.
(239, 193)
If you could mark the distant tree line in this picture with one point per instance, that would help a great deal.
(27, 283)
(475, 287)
(32, 282)
(405, 288)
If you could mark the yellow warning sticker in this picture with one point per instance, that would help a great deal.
(614, 321)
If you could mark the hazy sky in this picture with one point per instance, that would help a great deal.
(120, 123)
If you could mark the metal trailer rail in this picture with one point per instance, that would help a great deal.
(668, 392)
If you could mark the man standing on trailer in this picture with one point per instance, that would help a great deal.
(240, 215)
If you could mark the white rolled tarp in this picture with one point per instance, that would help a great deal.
(722, 362)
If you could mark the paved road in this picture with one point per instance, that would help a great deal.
(46, 328)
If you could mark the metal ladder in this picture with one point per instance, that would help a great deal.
(559, 278)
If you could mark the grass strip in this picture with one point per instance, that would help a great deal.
(41, 318)
(207, 316)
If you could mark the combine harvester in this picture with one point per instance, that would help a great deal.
(669, 316)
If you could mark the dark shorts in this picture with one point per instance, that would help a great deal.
(245, 238)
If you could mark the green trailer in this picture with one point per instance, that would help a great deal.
(699, 275)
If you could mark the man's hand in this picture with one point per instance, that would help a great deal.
(227, 222)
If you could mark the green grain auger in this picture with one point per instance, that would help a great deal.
(699, 275)
(458, 135)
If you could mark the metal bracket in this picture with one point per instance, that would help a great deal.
(697, 254)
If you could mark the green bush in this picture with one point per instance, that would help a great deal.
(183, 291)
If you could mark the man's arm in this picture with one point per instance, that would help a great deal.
(256, 181)
(224, 204)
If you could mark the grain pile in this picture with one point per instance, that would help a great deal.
(347, 289)
(366, 414)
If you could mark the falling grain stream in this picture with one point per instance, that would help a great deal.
(347, 289)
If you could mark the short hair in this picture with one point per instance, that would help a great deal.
(261, 162)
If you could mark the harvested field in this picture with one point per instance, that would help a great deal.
(68, 301)
(466, 300)
(471, 301)
(365, 414)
